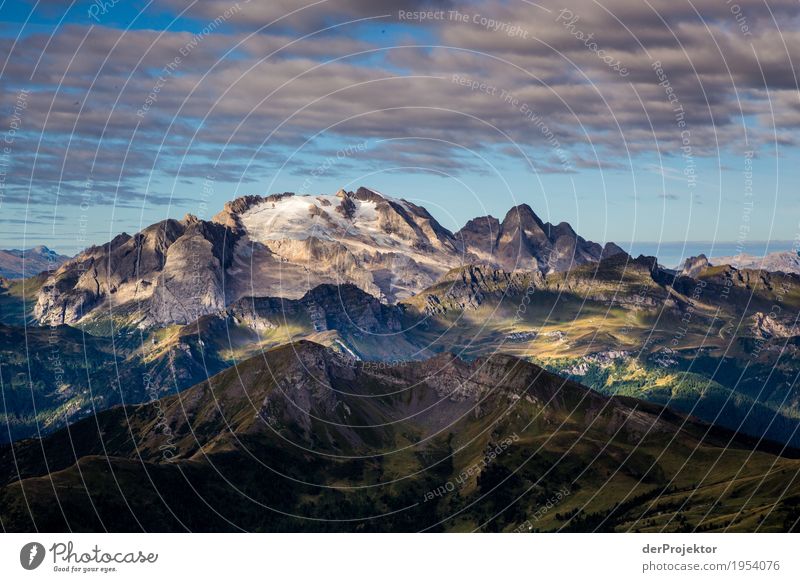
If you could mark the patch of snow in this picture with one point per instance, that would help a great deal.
(302, 217)
(349, 352)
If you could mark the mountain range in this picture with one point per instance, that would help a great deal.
(15, 263)
(780, 261)
(347, 317)
(301, 438)
(284, 245)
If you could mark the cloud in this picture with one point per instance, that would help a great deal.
(302, 15)
(104, 103)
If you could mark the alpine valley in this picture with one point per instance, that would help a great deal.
(345, 363)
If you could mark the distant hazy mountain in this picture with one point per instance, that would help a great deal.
(284, 245)
(16, 263)
(782, 261)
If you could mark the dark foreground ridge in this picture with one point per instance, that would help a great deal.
(302, 438)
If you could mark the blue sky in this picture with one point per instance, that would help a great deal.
(455, 114)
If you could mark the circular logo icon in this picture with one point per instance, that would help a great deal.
(31, 555)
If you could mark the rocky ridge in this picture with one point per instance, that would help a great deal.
(522, 241)
(283, 245)
(17, 263)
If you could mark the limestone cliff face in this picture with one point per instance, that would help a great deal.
(343, 308)
(480, 236)
(522, 241)
(695, 266)
(191, 284)
(171, 272)
(767, 326)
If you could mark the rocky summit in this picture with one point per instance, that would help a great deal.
(283, 245)
(522, 241)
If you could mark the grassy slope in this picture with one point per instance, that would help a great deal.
(626, 464)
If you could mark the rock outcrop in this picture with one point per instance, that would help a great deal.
(171, 272)
(522, 241)
(695, 266)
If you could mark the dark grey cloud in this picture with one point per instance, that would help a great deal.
(239, 102)
(303, 15)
